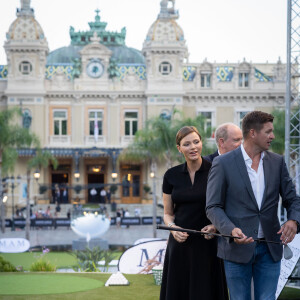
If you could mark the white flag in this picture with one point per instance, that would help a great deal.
(96, 130)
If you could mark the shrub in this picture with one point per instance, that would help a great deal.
(42, 189)
(147, 188)
(113, 188)
(42, 265)
(6, 266)
(88, 259)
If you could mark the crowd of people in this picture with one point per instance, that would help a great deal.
(234, 192)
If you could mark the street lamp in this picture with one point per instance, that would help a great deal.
(37, 175)
(114, 175)
(13, 184)
(77, 175)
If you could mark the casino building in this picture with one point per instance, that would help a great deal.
(87, 100)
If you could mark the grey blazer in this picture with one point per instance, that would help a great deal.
(230, 203)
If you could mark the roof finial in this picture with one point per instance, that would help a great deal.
(25, 8)
(167, 12)
(97, 17)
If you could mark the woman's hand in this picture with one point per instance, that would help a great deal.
(180, 237)
(210, 229)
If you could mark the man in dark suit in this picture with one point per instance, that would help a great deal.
(228, 137)
(242, 200)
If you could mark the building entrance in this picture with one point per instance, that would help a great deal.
(60, 189)
(94, 180)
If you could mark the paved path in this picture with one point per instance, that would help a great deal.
(65, 236)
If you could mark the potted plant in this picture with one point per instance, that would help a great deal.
(42, 189)
(77, 188)
(147, 189)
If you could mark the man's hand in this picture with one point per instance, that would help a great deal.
(210, 229)
(243, 238)
(288, 231)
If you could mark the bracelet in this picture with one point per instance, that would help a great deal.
(170, 224)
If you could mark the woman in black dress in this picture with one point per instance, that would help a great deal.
(191, 268)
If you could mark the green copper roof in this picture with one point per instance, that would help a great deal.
(81, 38)
(122, 55)
(115, 41)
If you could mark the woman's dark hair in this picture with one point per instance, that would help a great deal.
(255, 120)
(184, 131)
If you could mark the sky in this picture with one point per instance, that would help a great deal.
(216, 30)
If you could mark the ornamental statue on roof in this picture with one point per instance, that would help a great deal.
(109, 38)
(168, 11)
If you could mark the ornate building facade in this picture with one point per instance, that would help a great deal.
(87, 100)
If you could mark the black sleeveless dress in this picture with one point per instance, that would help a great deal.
(192, 269)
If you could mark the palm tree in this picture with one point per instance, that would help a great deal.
(42, 159)
(12, 136)
(157, 140)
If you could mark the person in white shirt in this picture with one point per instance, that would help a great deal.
(103, 196)
(242, 198)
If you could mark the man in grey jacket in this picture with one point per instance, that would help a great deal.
(242, 200)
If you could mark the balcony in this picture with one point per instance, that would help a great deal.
(60, 140)
(90, 141)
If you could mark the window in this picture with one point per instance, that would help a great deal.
(112, 39)
(93, 117)
(243, 79)
(83, 38)
(105, 39)
(207, 122)
(240, 117)
(205, 80)
(25, 67)
(131, 123)
(60, 122)
(165, 68)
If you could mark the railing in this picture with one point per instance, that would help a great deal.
(65, 222)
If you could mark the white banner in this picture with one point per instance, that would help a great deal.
(287, 266)
(143, 257)
(14, 245)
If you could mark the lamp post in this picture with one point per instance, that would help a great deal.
(37, 175)
(152, 175)
(77, 175)
(13, 184)
(114, 175)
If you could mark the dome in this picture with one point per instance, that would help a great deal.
(165, 30)
(25, 28)
(122, 54)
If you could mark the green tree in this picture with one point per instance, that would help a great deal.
(157, 140)
(12, 136)
(42, 159)
(278, 143)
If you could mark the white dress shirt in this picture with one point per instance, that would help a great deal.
(257, 180)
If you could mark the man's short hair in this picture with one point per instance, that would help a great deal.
(255, 120)
(222, 131)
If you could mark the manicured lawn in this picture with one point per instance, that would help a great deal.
(141, 287)
(290, 293)
(60, 259)
(65, 286)
(91, 285)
